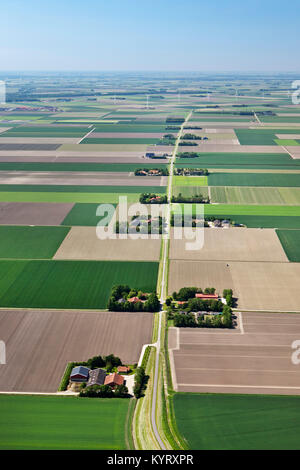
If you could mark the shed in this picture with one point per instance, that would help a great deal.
(79, 374)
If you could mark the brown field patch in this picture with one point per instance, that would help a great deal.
(40, 343)
(82, 243)
(39, 140)
(78, 178)
(233, 244)
(257, 285)
(254, 359)
(33, 213)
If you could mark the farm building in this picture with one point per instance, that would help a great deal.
(96, 377)
(207, 296)
(79, 374)
(113, 380)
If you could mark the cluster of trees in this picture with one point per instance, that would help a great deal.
(191, 171)
(172, 128)
(228, 296)
(149, 171)
(184, 143)
(187, 155)
(140, 382)
(104, 391)
(197, 198)
(118, 301)
(168, 139)
(96, 362)
(192, 127)
(189, 136)
(152, 198)
(177, 120)
(189, 320)
(141, 224)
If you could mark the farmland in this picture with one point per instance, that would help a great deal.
(56, 418)
(71, 143)
(255, 195)
(66, 336)
(254, 179)
(30, 242)
(290, 240)
(69, 284)
(256, 422)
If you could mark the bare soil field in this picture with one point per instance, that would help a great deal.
(107, 148)
(82, 243)
(21, 148)
(226, 148)
(257, 285)
(39, 140)
(253, 359)
(233, 244)
(77, 178)
(40, 343)
(33, 213)
(127, 135)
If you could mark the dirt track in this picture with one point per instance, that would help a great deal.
(39, 344)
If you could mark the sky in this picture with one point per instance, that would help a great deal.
(150, 35)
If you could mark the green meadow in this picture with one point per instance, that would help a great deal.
(69, 284)
(61, 423)
(238, 422)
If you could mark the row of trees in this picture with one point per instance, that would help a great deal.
(152, 198)
(104, 391)
(197, 198)
(140, 382)
(149, 171)
(141, 224)
(191, 171)
(187, 154)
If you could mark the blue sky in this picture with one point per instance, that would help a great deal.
(190, 35)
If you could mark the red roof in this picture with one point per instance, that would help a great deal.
(114, 379)
(134, 300)
(123, 369)
(207, 296)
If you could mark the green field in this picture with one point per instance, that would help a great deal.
(48, 422)
(253, 161)
(248, 210)
(69, 193)
(20, 242)
(70, 284)
(83, 215)
(260, 136)
(190, 180)
(290, 241)
(189, 191)
(255, 195)
(238, 422)
(254, 179)
(41, 131)
(135, 127)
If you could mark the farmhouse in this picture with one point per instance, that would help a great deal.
(207, 296)
(113, 380)
(96, 377)
(80, 374)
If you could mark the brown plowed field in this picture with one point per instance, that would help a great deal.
(82, 243)
(40, 343)
(33, 213)
(235, 244)
(257, 285)
(253, 359)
